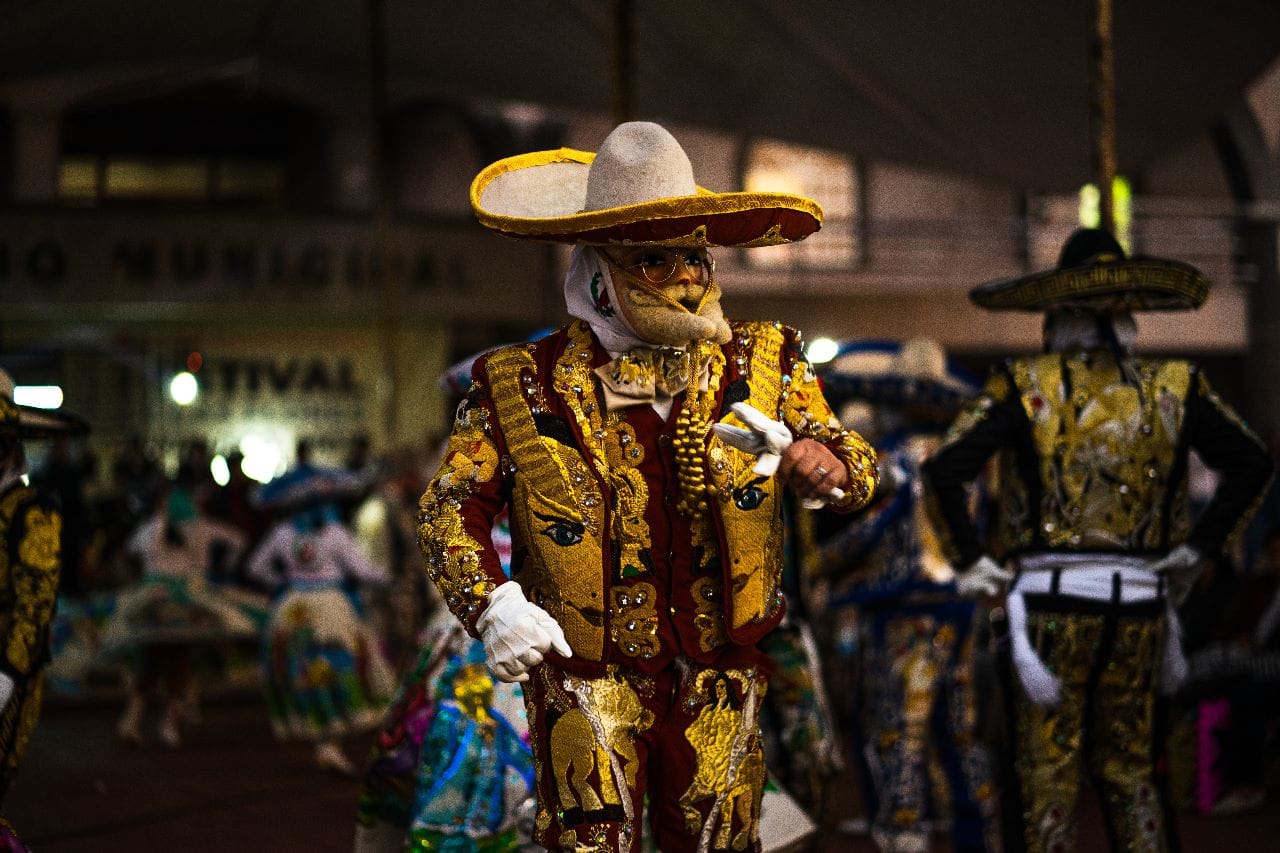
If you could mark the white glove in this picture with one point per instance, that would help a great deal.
(1181, 567)
(983, 577)
(766, 439)
(6, 691)
(517, 633)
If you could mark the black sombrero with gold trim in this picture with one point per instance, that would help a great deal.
(639, 188)
(1094, 274)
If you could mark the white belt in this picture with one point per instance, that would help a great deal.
(1091, 577)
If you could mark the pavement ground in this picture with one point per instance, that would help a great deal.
(231, 787)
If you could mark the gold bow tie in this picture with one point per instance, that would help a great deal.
(638, 376)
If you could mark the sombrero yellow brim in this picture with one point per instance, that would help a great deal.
(540, 196)
(1133, 284)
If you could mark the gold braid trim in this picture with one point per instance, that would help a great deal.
(575, 383)
(692, 426)
(510, 384)
(611, 446)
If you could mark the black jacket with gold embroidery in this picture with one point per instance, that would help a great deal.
(1094, 459)
(534, 433)
(29, 569)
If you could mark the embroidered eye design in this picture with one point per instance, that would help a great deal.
(750, 495)
(561, 531)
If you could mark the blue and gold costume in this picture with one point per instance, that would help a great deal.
(917, 706)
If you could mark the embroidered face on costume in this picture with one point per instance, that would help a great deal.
(559, 541)
(752, 504)
(668, 296)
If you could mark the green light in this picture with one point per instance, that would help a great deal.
(1090, 207)
(1090, 210)
(1122, 205)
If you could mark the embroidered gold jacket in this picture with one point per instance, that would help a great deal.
(534, 433)
(1093, 457)
(29, 569)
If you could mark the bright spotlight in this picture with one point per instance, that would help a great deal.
(263, 459)
(38, 396)
(822, 350)
(220, 470)
(184, 389)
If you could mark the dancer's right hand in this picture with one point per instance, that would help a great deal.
(517, 634)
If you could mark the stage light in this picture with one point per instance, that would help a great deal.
(822, 350)
(184, 389)
(263, 458)
(38, 396)
(220, 470)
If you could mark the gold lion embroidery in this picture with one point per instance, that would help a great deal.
(598, 735)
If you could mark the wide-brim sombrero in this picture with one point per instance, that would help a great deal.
(32, 422)
(1094, 274)
(913, 377)
(638, 189)
(309, 486)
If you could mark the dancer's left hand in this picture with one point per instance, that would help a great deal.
(812, 471)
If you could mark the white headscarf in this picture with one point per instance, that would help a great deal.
(590, 296)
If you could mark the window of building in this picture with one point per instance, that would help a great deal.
(89, 179)
(828, 177)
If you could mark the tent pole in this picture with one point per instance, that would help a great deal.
(1102, 110)
(386, 265)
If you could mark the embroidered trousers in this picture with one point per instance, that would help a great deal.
(1107, 657)
(686, 737)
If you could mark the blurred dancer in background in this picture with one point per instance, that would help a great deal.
(31, 528)
(325, 673)
(917, 623)
(162, 619)
(1092, 443)
(801, 743)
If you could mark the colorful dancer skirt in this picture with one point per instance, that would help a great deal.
(428, 757)
(324, 673)
(167, 610)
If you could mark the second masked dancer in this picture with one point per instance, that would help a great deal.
(1092, 444)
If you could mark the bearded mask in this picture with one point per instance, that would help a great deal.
(672, 314)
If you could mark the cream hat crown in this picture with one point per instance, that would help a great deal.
(639, 188)
(640, 161)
